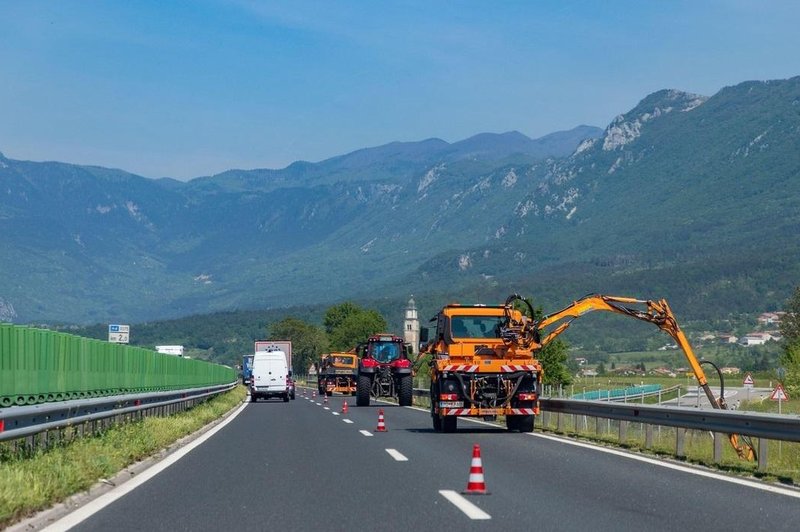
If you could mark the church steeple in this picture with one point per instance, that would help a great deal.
(411, 326)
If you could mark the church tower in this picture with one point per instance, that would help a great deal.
(411, 326)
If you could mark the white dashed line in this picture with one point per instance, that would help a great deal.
(326, 408)
(471, 511)
(394, 453)
(347, 420)
(335, 413)
(318, 404)
(365, 432)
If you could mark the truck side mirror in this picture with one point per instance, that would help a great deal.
(423, 334)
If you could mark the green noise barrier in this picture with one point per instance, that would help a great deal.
(38, 366)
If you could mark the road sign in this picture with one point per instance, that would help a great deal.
(748, 380)
(119, 334)
(779, 394)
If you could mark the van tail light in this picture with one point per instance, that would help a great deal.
(448, 396)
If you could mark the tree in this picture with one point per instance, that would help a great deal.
(790, 330)
(790, 360)
(601, 368)
(309, 341)
(356, 327)
(554, 358)
(347, 324)
(336, 314)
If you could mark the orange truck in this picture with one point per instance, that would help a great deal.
(337, 372)
(483, 359)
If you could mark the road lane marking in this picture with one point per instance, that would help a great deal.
(365, 432)
(394, 453)
(318, 404)
(677, 467)
(335, 413)
(347, 420)
(91, 508)
(471, 511)
(326, 408)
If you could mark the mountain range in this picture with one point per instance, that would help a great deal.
(687, 197)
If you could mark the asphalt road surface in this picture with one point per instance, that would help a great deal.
(305, 466)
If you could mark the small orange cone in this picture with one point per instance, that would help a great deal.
(314, 394)
(476, 485)
(325, 400)
(381, 423)
(344, 406)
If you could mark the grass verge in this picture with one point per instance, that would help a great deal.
(32, 483)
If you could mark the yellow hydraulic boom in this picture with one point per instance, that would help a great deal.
(656, 312)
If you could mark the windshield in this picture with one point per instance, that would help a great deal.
(385, 351)
(343, 361)
(476, 326)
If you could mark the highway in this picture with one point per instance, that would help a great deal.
(305, 466)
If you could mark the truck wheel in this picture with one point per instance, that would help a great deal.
(525, 423)
(406, 391)
(449, 423)
(437, 422)
(253, 399)
(362, 390)
(328, 392)
(512, 423)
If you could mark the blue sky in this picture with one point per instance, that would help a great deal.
(184, 89)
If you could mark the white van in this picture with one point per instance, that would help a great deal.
(270, 376)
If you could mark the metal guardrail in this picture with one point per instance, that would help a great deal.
(769, 426)
(25, 421)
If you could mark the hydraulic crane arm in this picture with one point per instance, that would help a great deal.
(656, 312)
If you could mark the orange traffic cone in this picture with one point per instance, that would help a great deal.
(325, 400)
(476, 485)
(344, 406)
(381, 424)
(314, 394)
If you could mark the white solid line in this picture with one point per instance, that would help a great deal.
(335, 413)
(86, 511)
(471, 511)
(365, 432)
(677, 467)
(347, 420)
(394, 453)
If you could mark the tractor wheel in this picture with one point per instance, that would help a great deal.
(449, 423)
(362, 390)
(329, 392)
(406, 391)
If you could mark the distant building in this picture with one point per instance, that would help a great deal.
(587, 372)
(755, 338)
(411, 326)
(729, 370)
(770, 318)
(728, 338)
(581, 361)
(176, 350)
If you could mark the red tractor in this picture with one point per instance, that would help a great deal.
(384, 370)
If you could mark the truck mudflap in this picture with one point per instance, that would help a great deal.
(489, 411)
(475, 368)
